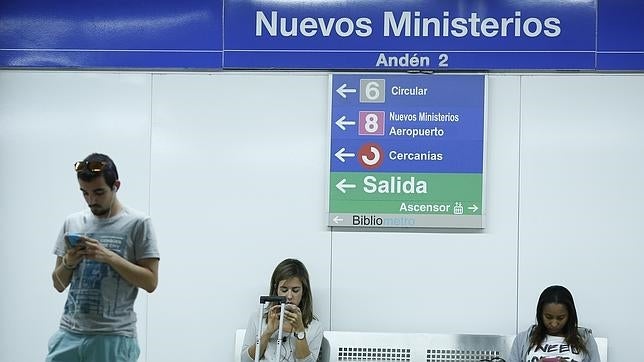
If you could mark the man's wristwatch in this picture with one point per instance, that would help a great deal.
(300, 335)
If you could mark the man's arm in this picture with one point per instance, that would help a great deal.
(144, 274)
(61, 276)
(64, 268)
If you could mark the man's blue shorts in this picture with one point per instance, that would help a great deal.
(65, 346)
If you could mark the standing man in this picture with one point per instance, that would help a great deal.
(106, 253)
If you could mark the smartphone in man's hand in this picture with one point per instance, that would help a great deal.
(73, 239)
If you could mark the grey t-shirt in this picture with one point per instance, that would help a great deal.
(99, 300)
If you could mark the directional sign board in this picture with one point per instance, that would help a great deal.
(407, 150)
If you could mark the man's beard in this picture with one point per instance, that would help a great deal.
(99, 211)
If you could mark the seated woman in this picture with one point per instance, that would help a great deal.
(556, 336)
(301, 330)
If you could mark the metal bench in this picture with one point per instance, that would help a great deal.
(413, 347)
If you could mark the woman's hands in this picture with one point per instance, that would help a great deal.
(293, 315)
(292, 323)
(292, 319)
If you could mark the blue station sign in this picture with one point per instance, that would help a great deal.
(378, 35)
(407, 150)
(161, 34)
(403, 35)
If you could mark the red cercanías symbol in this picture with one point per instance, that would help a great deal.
(370, 155)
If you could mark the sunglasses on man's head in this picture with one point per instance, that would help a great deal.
(91, 166)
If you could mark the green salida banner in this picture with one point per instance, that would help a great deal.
(409, 193)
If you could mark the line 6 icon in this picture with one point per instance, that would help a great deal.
(372, 91)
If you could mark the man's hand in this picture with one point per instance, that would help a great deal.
(94, 250)
(74, 255)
